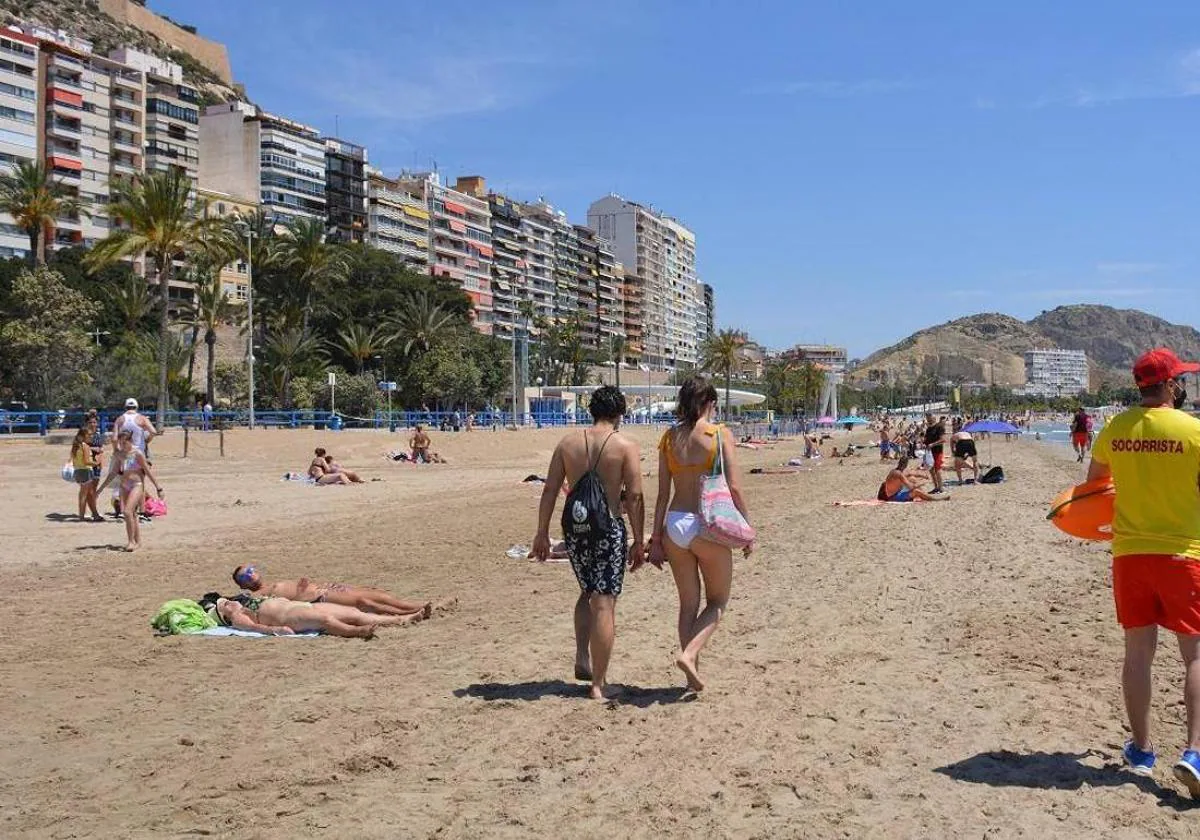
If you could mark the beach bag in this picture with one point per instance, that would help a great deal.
(68, 472)
(720, 520)
(155, 507)
(585, 515)
(993, 476)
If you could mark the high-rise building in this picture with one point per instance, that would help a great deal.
(708, 316)
(20, 114)
(398, 218)
(631, 291)
(94, 128)
(661, 252)
(1055, 373)
(172, 113)
(248, 152)
(346, 190)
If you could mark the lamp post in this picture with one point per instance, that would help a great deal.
(249, 231)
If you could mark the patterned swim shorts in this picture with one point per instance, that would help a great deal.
(600, 564)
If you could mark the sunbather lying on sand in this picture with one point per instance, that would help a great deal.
(281, 617)
(365, 598)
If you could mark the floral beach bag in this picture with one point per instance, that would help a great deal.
(720, 520)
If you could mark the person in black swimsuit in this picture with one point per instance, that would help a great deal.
(963, 447)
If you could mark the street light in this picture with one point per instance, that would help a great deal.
(250, 235)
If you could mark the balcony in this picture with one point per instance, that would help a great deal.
(64, 129)
(124, 167)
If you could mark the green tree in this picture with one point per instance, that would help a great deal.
(132, 303)
(360, 343)
(448, 376)
(312, 265)
(719, 354)
(37, 200)
(44, 344)
(162, 223)
(421, 324)
(812, 382)
(212, 309)
(288, 353)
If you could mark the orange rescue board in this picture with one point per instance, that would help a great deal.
(1085, 510)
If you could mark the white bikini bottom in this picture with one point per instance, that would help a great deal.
(682, 527)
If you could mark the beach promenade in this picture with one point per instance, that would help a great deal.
(936, 670)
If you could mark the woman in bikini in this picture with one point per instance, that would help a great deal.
(281, 617)
(83, 459)
(335, 468)
(131, 465)
(686, 453)
(318, 470)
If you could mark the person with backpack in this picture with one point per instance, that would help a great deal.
(689, 451)
(1151, 452)
(600, 466)
(1081, 437)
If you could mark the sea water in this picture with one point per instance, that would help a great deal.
(1059, 433)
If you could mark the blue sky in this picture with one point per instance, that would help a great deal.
(853, 171)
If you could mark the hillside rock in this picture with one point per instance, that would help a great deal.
(967, 349)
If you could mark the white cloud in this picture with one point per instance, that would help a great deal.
(832, 89)
(1127, 268)
(1178, 80)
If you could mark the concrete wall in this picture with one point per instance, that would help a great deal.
(229, 157)
(212, 55)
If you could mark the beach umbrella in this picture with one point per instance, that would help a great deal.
(992, 427)
(824, 421)
(853, 421)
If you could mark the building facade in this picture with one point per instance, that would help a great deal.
(346, 190)
(21, 113)
(398, 219)
(234, 277)
(245, 151)
(172, 114)
(1055, 373)
(661, 252)
(831, 358)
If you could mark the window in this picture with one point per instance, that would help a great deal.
(16, 114)
(220, 208)
(13, 67)
(14, 90)
(8, 45)
(168, 109)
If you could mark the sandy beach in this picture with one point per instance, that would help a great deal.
(928, 670)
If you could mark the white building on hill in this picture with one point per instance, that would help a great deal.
(1055, 373)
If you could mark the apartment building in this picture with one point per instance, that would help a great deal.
(398, 218)
(600, 302)
(246, 151)
(831, 358)
(346, 190)
(234, 277)
(1055, 373)
(21, 111)
(92, 121)
(632, 289)
(172, 113)
(708, 313)
(662, 254)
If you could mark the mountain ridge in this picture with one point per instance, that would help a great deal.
(989, 347)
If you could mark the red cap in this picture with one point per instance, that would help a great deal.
(1157, 366)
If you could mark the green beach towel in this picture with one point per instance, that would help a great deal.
(182, 616)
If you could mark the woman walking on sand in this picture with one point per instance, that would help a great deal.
(687, 453)
(131, 465)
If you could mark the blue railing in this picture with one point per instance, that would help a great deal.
(44, 422)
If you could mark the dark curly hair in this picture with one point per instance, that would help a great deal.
(607, 403)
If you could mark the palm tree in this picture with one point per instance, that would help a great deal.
(312, 262)
(261, 251)
(812, 380)
(132, 302)
(421, 323)
(159, 220)
(719, 354)
(36, 200)
(361, 343)
(213, 308)
(285, 353)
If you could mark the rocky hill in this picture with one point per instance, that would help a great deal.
(86, 19)
(990, 347)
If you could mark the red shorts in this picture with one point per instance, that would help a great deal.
(1157, 589)
(938, 459)
(1080, 439)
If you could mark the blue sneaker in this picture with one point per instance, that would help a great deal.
(1141, 762)
(1187, 770)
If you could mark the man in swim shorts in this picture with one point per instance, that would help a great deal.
(365, 598)
(1152, 453)
(599, 562)
(962, 446)
(935, 442)
(1081, 438)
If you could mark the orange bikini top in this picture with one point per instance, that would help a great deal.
(673, 466)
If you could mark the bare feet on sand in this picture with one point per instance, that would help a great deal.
(603, 692)
(583, 671)
(690, 668)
